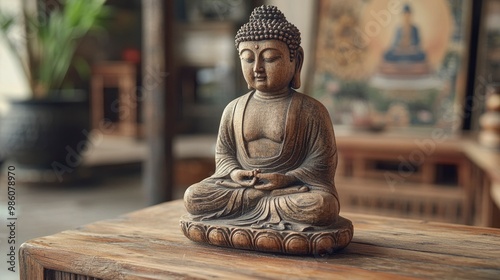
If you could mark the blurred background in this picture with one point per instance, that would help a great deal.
(416, 115)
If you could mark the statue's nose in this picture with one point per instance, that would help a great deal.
(258, 67)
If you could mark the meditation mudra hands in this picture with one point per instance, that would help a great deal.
(260, 181)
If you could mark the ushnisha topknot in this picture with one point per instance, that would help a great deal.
(268, 23)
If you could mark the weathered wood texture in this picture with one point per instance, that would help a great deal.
(149, 244)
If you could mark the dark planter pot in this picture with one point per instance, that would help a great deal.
(45, 134)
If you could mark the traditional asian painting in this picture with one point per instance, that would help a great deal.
(392, 63)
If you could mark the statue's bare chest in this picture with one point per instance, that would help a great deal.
(265, 120)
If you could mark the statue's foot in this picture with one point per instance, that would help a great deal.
(317, 242)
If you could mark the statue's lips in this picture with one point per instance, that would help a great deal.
(260, 78)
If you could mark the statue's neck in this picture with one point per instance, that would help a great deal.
(273, 96)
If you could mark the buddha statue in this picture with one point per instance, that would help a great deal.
(405, 58)
(275, 153)
(406, 43)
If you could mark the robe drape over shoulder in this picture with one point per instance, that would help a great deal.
(308, 153)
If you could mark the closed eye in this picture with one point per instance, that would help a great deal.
(248, 60)
(272, 59)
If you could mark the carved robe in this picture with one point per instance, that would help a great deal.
(308, 153)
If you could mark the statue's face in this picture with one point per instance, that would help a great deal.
(266, 65)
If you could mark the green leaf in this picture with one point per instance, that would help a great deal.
(6, 22)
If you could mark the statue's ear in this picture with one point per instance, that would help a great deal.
(299, 60)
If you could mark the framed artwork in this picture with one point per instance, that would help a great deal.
(398, 64)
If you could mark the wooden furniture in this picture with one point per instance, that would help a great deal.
(408, 200)
(410, 176)
(148, 244)
(121, 75)
(486, 176)
(409, 157)
(194, 159)
(433, 177)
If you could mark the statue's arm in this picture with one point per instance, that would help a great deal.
(318, 168)
(225, 150)
(415, 36)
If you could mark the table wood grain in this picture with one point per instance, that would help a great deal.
(148, 244)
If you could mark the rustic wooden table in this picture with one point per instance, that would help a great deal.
(148, 244)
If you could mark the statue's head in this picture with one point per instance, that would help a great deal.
(407, 13)
(407, 9)
(270, 52)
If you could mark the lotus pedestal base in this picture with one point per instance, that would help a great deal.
(318, 242)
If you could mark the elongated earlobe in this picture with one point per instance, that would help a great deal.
(249, 86)
(295, 83)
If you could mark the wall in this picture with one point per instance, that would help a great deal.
(12, 81)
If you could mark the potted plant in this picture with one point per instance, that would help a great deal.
(48, 131)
